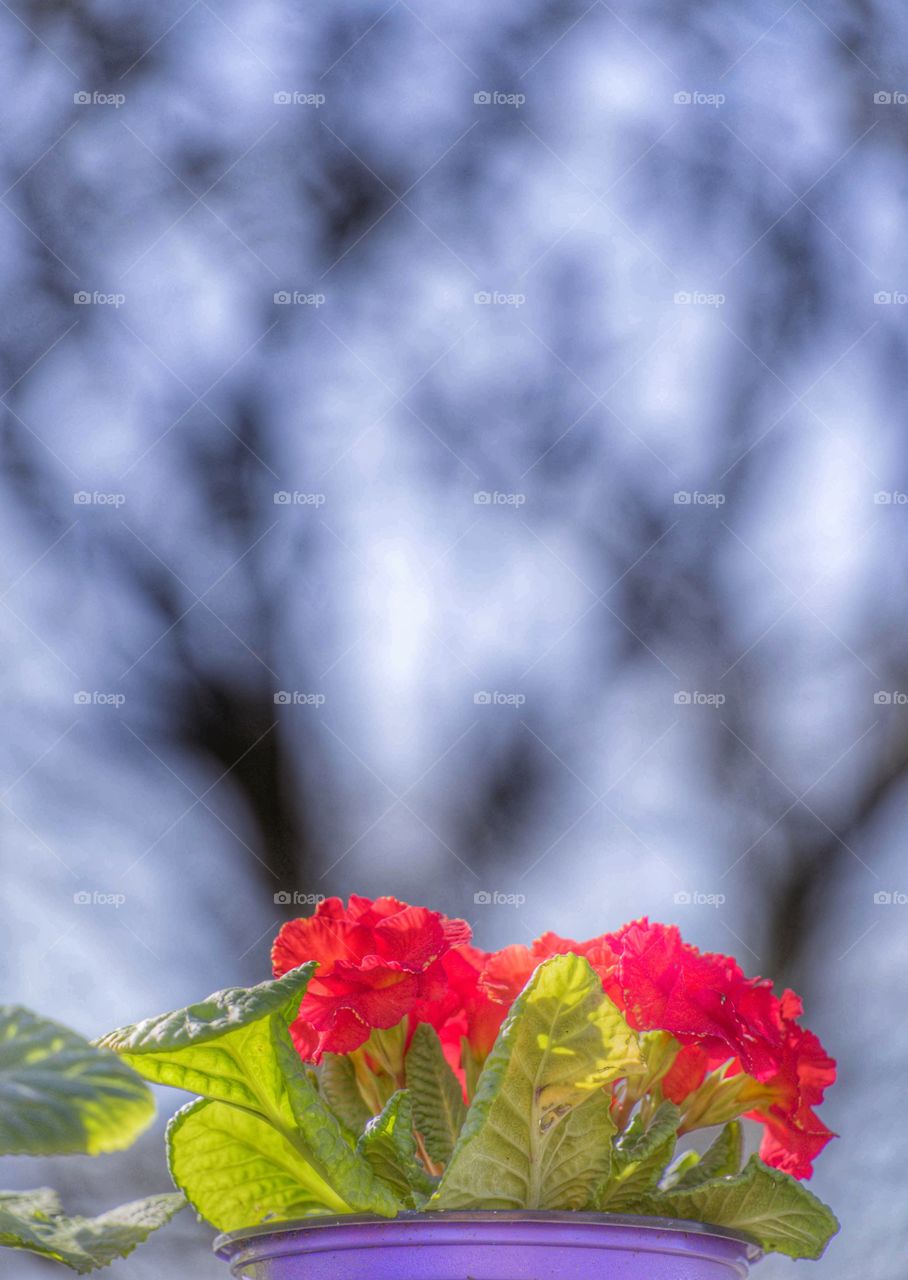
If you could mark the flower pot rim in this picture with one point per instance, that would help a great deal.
(228, 1242)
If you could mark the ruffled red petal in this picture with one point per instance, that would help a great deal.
(686, 1074)
(305, 1039)
(326, 939)
(377, 959)
(792, 1143)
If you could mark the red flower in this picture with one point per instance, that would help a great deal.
(465, 1011)
(377, 961)
(686, 1074)
(717, 1014)
(662, 983)
(700, 998)
(795, 1135)
(384, 963)
(508, 971)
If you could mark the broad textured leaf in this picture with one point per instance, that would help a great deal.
(41, 1200)
(317, 1133)
(390, 1148)
(721, 1159)
(538, 1133)
(337, 1080)
(438, 1105)
(639, 1159)
(778, 1212)
(31, 1220)
(59, 1095)
(578, 1160)
(220, 1048)
(237, 1170)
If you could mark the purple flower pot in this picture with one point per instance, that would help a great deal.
(488, 1246)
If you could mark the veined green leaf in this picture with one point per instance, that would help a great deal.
(220, 1048)
(780, 1213)
(59, 1095)
(679, 1168)
(721, 1159)
(43, 1200)
(236, 1169)
(538, 1133)
(32, 1220)
(438, 1105)
(317, 1133)
(337, 1080)
(639, 1158)
(390, 1148)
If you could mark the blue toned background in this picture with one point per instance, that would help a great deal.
(457, 451)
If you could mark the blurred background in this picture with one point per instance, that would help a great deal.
(457, 452)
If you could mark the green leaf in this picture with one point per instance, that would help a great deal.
(32, 1220)
(237, 1170)
(222, 1047)
(720, 1160)
(778, 1212)
(390, 1148)
(640, 1155)
(337, 1080)
(678, 1170)
(234, 1048)
(59, 1095)
(438, 1105)
(538, 1133)
(317, 1133)
(42, 1200)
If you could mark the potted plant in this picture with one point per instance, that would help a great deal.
(397, 1103)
